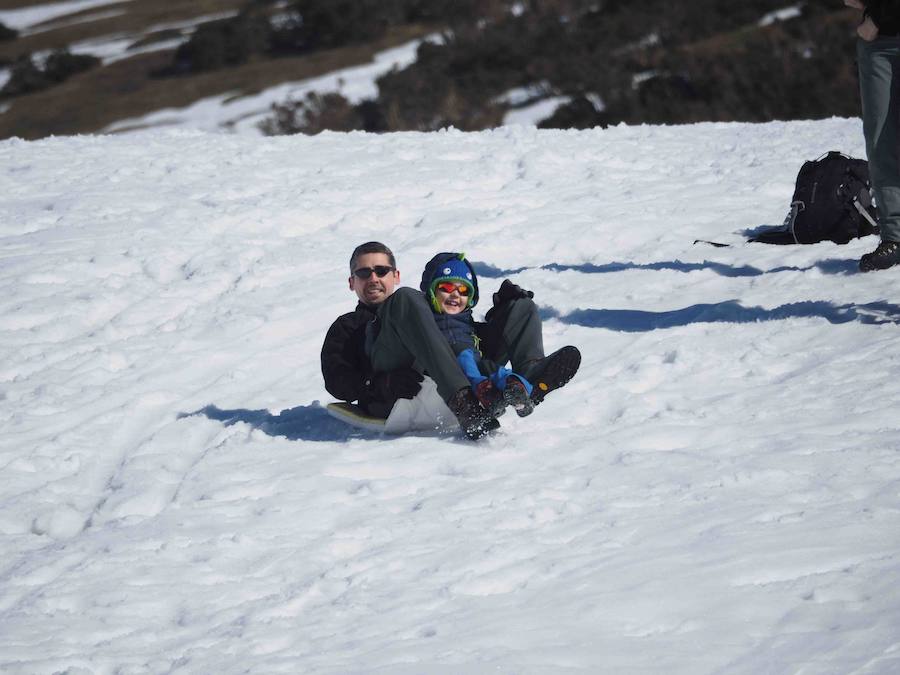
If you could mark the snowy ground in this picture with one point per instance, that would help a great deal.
(718, 490)
(28, 19)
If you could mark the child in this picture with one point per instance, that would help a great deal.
(450, 284)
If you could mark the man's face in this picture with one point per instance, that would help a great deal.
(374, 290)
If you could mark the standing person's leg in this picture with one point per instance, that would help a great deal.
(409, 337)
(879, 84)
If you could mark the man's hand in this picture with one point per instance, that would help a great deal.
(867, 30)
(855, 4)
(510, 291)
(394, 384)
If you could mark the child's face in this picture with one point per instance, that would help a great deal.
(451, 300)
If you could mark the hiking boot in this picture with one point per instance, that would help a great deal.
(516, 395)
(552, 372)
(886, 255)
(473, 419)
(490, 398)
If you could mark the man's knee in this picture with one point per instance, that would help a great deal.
(402, 303)
(523, 309)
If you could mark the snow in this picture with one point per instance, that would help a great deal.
(781, 15)
(112, 48)
(26, 17)
(717, 491)
(533, 113)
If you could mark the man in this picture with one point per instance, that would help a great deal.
(878, 56)
(377, 353)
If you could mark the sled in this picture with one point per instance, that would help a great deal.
(352, 414)
(426, 412)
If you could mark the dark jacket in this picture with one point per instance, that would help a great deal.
(886, 15)
(459, 329)
(345, 364)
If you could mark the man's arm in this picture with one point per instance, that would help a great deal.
(344, 373)
(872, 10)
(348, 375)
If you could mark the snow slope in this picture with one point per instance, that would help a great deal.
(718, 490)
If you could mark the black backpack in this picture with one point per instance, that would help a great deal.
(831, 201)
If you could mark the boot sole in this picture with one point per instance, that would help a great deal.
(516, 397)
(561, 367)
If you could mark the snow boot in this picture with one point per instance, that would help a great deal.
(552, 372)
(490, 398)
(516, 395)
(886, 255)
(473, 419)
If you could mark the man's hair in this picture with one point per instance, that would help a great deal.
(372, 247)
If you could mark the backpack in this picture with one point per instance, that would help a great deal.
(831, 201)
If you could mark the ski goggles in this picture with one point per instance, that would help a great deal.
(381, 271)
(448, 287)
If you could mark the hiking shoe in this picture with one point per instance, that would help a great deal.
(552, 372)
(886, 255)
(490, 398)
(473, 419)
(516, 395)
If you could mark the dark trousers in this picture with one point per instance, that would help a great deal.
(513, 333)
(409, 337)
(879, 84)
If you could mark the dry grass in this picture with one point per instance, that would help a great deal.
(91, 101)
(139, 16)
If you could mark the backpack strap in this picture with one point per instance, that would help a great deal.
(791, 218)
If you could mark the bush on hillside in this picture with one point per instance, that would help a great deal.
(26, 77)
(324, 24)
(321, 112)
(221, 43)
(654, 61)
(791, 70)
(7, 33)
(579, 113)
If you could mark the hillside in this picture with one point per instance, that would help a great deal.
(715, 492)
(560, 64)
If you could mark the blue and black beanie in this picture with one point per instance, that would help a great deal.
(449, 267)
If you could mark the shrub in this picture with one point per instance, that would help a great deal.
(654, 61)
(322, 24)
(7, 33)
(579, 113)
(221, 43)
(25, 77)
(320, 112)
(62, 64)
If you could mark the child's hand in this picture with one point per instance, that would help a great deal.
(867, 30)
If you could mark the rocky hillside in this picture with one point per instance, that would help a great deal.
(83, 65)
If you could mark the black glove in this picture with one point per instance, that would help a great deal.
(394, 384)
(510, 291)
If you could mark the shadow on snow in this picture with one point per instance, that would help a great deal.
(830, 266)
(731, 311)
(303, 423)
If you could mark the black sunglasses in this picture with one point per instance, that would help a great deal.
(366, 272)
